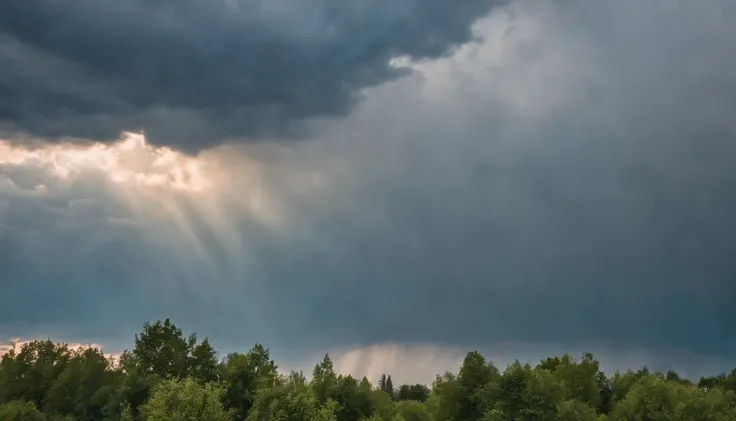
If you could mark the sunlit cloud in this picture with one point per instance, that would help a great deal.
(129, 161)
(157, 184)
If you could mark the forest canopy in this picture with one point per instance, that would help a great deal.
(168, 376)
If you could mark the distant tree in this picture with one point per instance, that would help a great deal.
(722, 381)
(382, 382)
(655, 398)
(550, 363)
(389, 387)
(168, 376)
(415, 392)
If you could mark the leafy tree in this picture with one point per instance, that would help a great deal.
(244, 375)
(575, 410)
(203, 362)
(354, 402)
(446, 397)
(549, 363)
(606, 393)
(655, 398)
(414, 392)
(412, 411)
(327, 411)
(512, 393)
(542, 396)
(475, 373)
(185, 399)
(722, 381)
(169, 376)
(381, 404)
(83, 388)
(324, 380)
(20, 411)
(163, 350)
(621, 384)
(29, 373)
(291, 399)
(580, 378)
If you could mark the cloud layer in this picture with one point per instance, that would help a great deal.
(566, 181)
(193, 74)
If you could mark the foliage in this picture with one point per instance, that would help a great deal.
(185, 399)
(20, 411)
(168, 376)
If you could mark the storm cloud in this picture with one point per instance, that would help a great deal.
(193, 74)
(567, 183)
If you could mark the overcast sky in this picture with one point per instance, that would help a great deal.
(394, 181)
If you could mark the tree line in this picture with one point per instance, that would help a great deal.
(168, 376)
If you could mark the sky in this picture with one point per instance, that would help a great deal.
(393, 182)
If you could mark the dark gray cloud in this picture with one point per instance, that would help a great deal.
(567, 181)
(193, 73)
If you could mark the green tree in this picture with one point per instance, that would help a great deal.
(654, 398)
(244, 375)
(580, 378)
(324, 380)
(83, 388)
(412, 411)
(167, 376)
(512, 394)
(575, 410)
(475, 373)
(28, 374)
(203, 364)
(382, 382)
(413, 392)
(542, 396)
(722, 381)
(354, 402)
(290, 399)
(606, 393)
(327, 411)
(185, 399)
(621, 384)
(390, 387)
(446, 397)
(20, 411)
(381, 404)
(163, 350)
